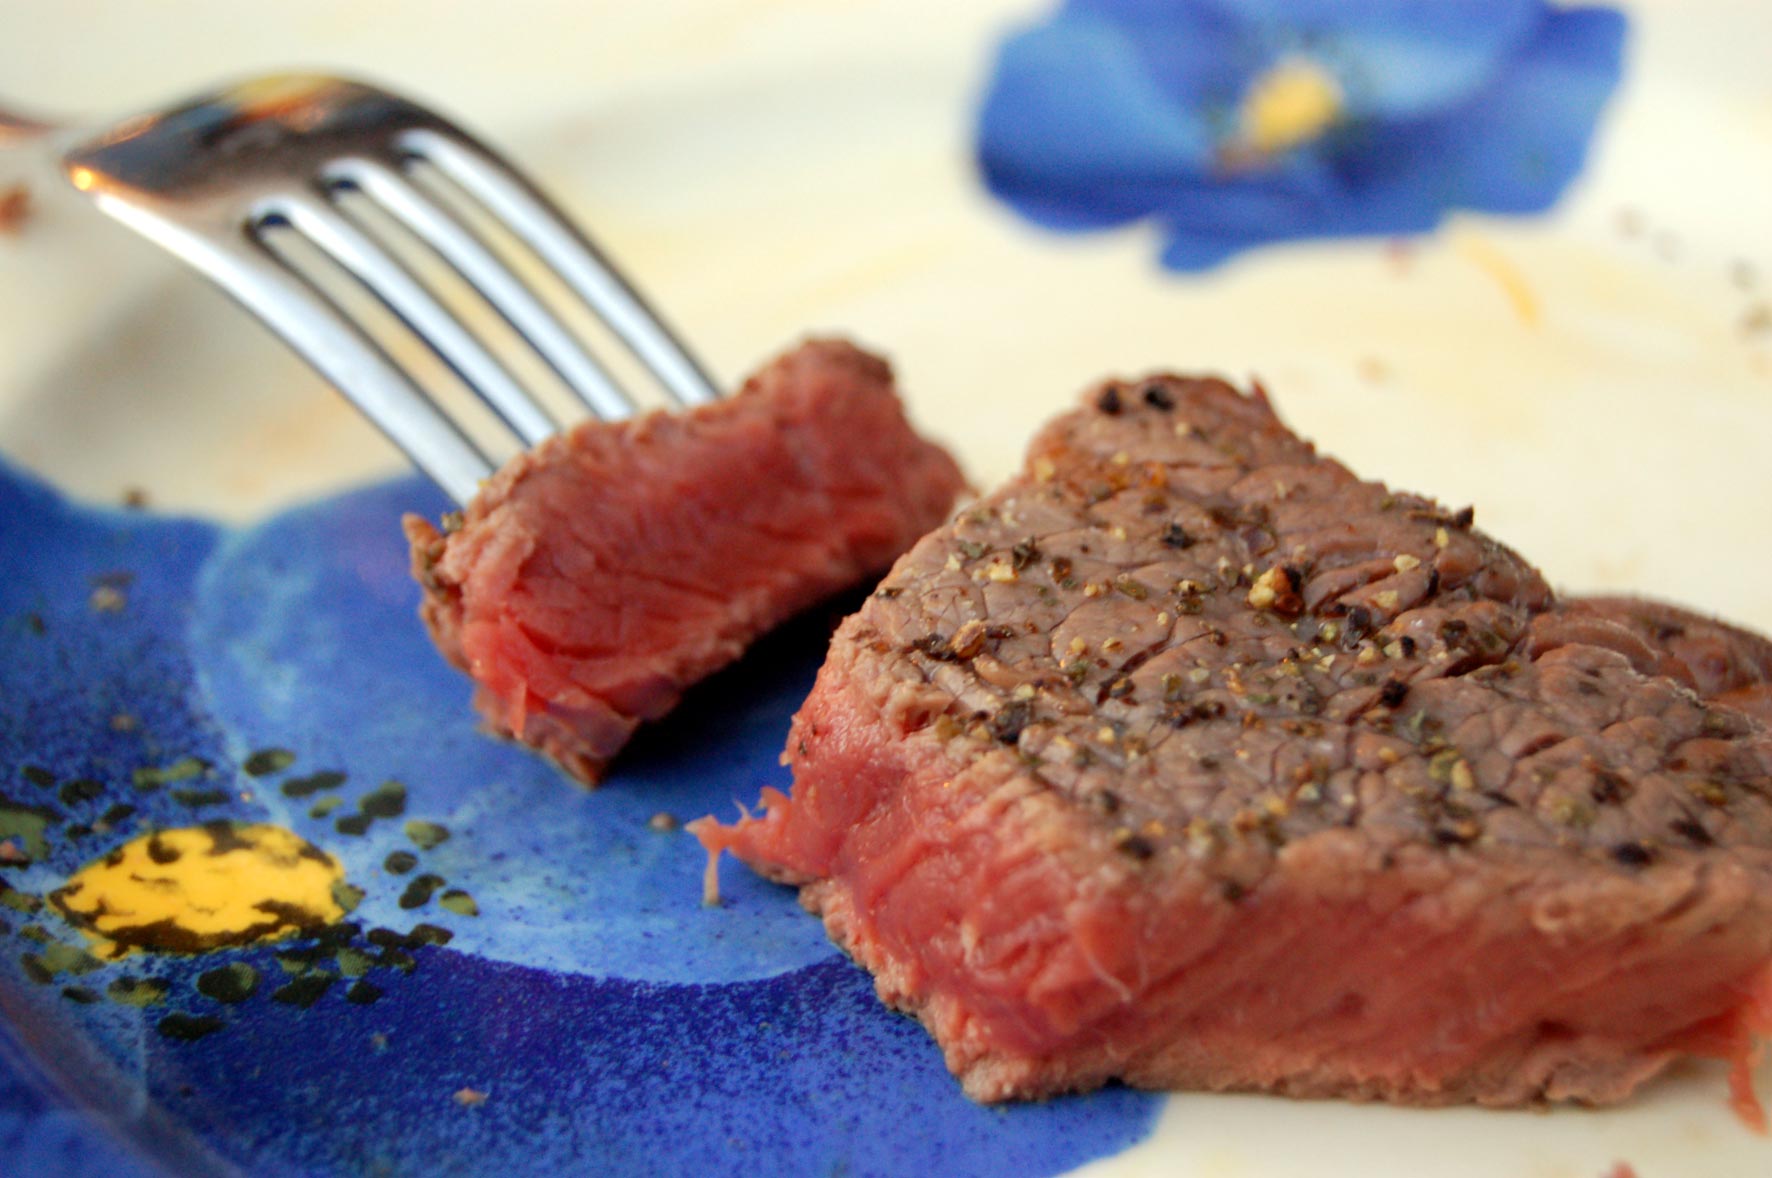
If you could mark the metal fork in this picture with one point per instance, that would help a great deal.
(210, 179)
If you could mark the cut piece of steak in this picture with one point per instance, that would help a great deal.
(1190, 759)
(594, 578)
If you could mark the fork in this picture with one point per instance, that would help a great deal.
(211, 179)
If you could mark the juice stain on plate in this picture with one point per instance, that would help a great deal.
(198, 888)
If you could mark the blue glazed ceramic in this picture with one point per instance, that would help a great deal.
(528, 982)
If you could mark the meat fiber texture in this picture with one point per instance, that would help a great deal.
(595, 577)
(1189, 759)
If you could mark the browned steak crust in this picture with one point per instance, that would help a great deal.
(1187, 757)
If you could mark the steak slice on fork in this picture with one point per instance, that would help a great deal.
(595, 577)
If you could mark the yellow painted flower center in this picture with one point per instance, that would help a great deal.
(204, 887)
(1289, 105)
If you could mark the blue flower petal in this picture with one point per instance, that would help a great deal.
(1393, 58)
(1119, 109)
(1192, 54)
(1212, 226)
(1191, 251)
(1301, 193)
(1519, 143)
(1432, 60)
(1074, 133)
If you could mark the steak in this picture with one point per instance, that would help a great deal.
(1188, 758)
(595, 577)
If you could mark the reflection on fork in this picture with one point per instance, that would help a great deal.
(216, 180)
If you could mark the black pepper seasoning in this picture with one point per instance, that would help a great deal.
(1010, 719)
(1693, 831)
(1137, 847)
(1608, 788)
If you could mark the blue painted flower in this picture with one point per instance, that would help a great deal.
(1233, 123)
(593, 1013)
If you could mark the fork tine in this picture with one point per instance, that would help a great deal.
(204, 178)
(311, 215)
(558, 243)
(318, 331)
(462, 249)
(353, 363)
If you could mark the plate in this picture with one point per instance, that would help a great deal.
(527, 981)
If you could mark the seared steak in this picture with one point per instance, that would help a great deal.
(595, 577)
(1189, 758)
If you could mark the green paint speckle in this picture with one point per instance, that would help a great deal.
(387, 800)
(347, 895)
(230, 983)
(18, 901)
(426, 836)
(200, 797)
(307, 787)
(81, 790)
(188, 1027)
(304, 990)
(27, 824)
(59, 958)
(132, 991)
(353, 823)
(429, 934)
(459, 902)
(354, 962)
(264, 762)
(184, 769)
(418, 893)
